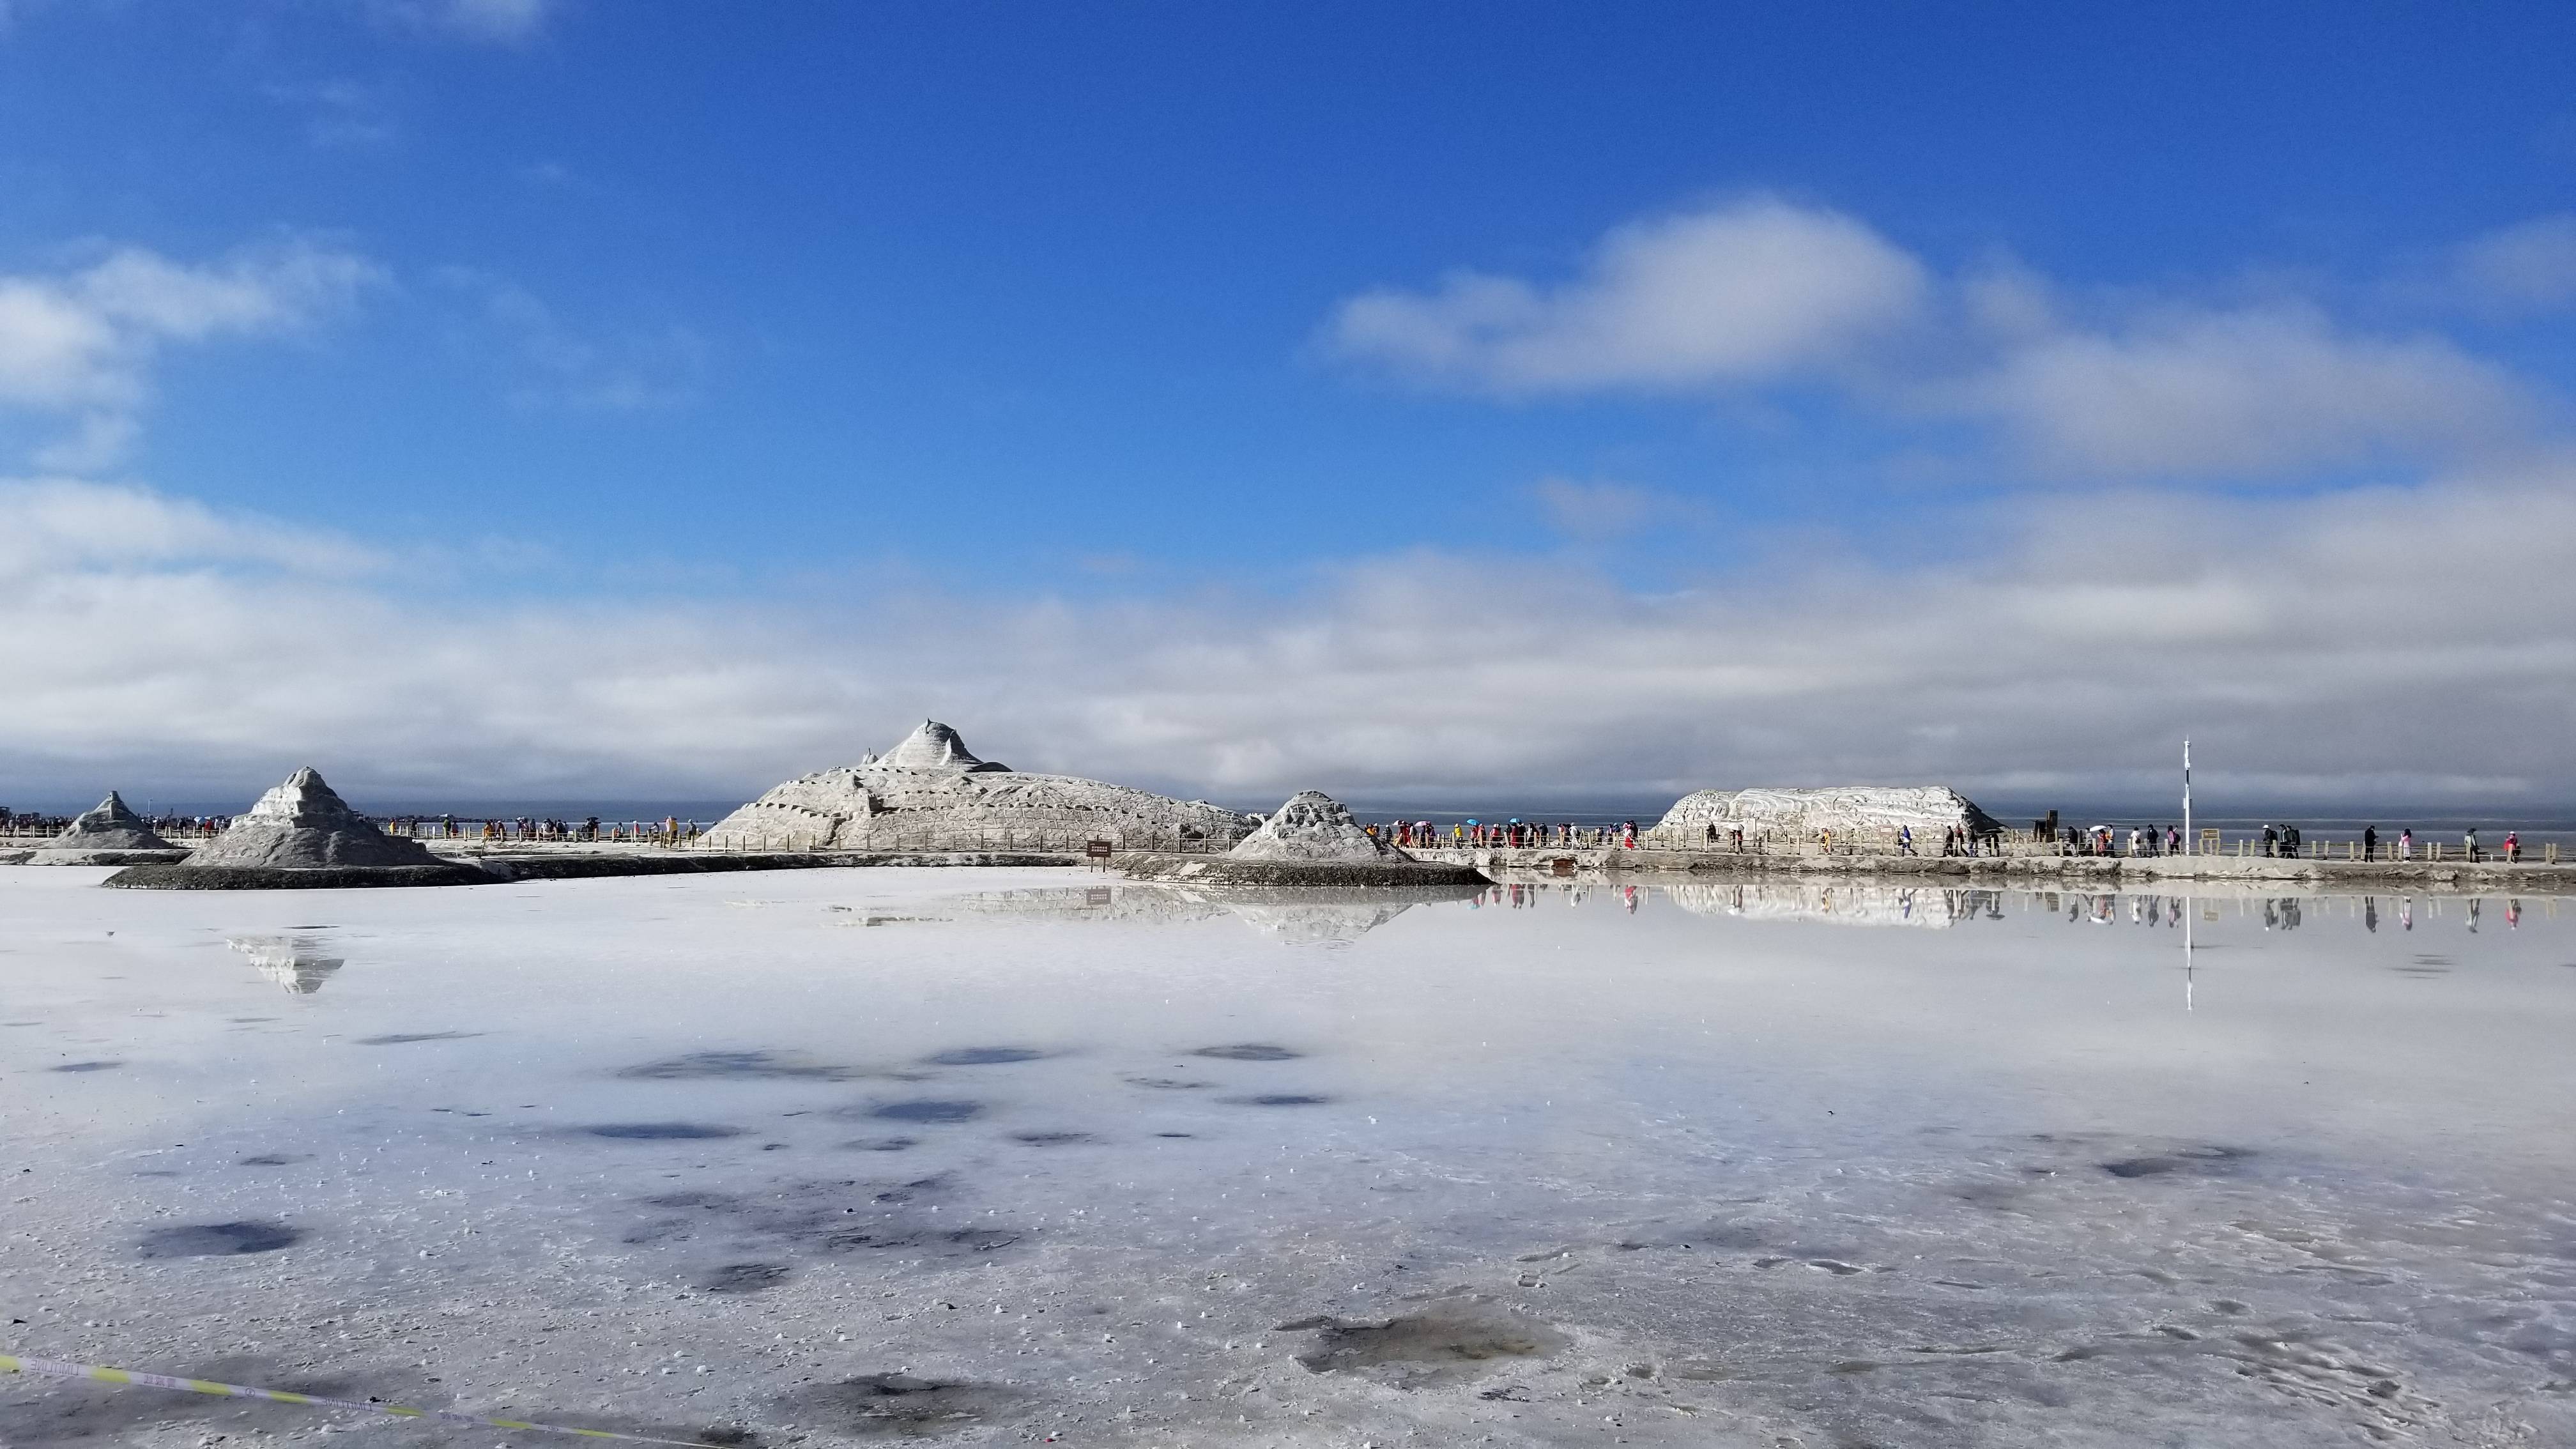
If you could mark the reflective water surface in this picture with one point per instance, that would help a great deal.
(985, 1156)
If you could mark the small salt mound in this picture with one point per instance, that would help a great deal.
(110, 826)
(304, 825)
(1313, 826)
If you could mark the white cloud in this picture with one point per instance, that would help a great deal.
(486, 22)
(496, 20)
(1747, 292)
(2258, 392)
(2115, 386)
(1600, 509)
(2529, 267)
(82, 343)
(2409, 641)
(339, 114)
(559, 366)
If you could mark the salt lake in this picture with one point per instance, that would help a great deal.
(1041, 1156)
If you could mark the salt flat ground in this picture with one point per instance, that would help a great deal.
(985, 1156)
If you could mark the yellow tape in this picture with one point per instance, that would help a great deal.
(55, 1368)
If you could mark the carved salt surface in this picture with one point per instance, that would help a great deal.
(1313, 826)
(1872, 811)
(1550, 1166)
(931, 793)
(303, 824)
(109, 825)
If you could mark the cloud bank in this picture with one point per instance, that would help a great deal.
(1763, 293)
(2410, 644)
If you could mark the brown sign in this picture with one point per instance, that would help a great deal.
(1097, 850)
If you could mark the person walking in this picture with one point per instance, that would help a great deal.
(2370, 842)
(1905, 840)
(2469, 843)
(2406, 843)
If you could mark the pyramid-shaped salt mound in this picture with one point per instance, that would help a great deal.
(109, 826)
(931, 793)
(1310, 841)
(1314, 826)
(304, 825)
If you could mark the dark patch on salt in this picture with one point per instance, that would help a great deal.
(405, 1038)
(1052, 1139)
(895, 1235)
(1167, 1084)
(105, 1066)
(1249, 1052)
(743, 1277)
(825, 1218)
(898, 1406)
(705, 1066)
(218, 1240)
(661, 1131)
(2207, 1160)
(928, 1110)
(983, 1056)
(1443, 1342)
(881, 1144)
(272, 1159)
(1279, 1099)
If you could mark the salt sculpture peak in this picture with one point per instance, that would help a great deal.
(304, 824)
(110, 825)
(934, 746)
(932, 793)
(1313, 826)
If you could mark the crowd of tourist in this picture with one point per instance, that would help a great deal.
(2282, 841)
(533, 830)
(168, 827)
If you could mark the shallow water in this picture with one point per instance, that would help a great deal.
(992, 1156)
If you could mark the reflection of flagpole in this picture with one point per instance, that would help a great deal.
(2189, 910)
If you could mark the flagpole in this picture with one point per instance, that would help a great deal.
(2190, 842)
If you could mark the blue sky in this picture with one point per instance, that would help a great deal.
(1104, 342)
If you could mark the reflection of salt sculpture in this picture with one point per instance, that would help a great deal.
(1867, 815)
(294, 962)
(931, 793)
(1323, 915)
(1838, 904)
(1317, 923)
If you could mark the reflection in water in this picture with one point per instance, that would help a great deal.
(1344, 914)
(1319, 916)
(294, 962)
(1841, 904)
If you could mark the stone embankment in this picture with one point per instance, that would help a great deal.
(2037, 870)
(496, 868)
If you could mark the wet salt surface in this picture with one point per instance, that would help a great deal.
(1037, 1156)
